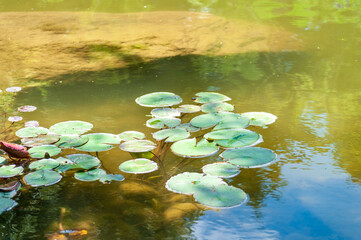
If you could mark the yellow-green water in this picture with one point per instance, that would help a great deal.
(312, 192)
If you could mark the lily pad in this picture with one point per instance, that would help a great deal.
(32, 124)
(10, 187)
(260, 118)
(77, 161)
(221, 196)
(159, 123)
(220, 120)
(131, 135)
(31, 132)
(221, 169)
(138, 166)
(15, 118)
(70, 141)
(40, 140)
(189, 108)
(249, 157)
(13, 89)
(165, 112)
(71, 127)
(99, 142)
(217, 107)
(137, 146)
(191, 149)
(158, 99)
(91, 175)
(10, 171)
(27, 108)
(210, 97)
(7, 204)
(42, 178)
(234, 138)
(171, 134)
(44, 164)
(188, 127)
(2, 160)
(41, 151)
(111, 177)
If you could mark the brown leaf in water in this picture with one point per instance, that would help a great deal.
(14, 150)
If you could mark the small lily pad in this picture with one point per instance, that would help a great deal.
(99, 142)
(27, 108)
(137, 146)
(220, 120)
(70, 141)
(15, 118)
(234, 138)
(159, 123)
(171, 134)
(13, 89)
(188, 127)
(249, 157)
(32, 124)
(138, 166)
(42, 178)
(260, 118)
(41, 151)
(77, 161)
(221, 169)
(11, 186)
(158, 99)
(165, 112)
(131, 135)
(44, 164)
(111, 177)
(40, 140)
(7, 204)
(91, 175)
(71, 127)
(10, 171)
(210, 97)
(191, 149)
(189, 108)
(217, 107)
(31, 132)
(2, 160)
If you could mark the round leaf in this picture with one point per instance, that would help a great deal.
(165, 112)
(171, 134)
(10, 171)
(159, 123)
(15, 119)
(77, 161)
(234, 138)
(221, 169)
(40, 140)
(71, 127)
(137, 146)
(13, 89)
(131, 135)
(260, 118)
(27, 108)
(40, 151)
(31, 132)
(250, 157)
(71, 141)
(189, 108)
(222, 120)
(191, 149)
(91, 175)
(210, 97)
(139, 165)
(158, 99)
(99, 142)
(188, 127)
(42, 178)
(217, 107)
(44, 164)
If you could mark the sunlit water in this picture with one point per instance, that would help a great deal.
(313, 190)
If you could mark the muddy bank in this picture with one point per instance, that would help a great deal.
(42, 45)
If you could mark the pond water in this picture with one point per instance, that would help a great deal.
(312, 192)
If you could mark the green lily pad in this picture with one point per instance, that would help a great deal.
(249, 157)
(71, 127)
(159, 123)
(190, 182)
(77, 161)
(31, 132)
(189, 108)
(191, 149)
(40, 140)
(171, 134)
(11, 194)
(7, 204)
(220, 121)
(210, 97)
(91, 175)
(165, 112)
(2, 160)
(41, 151)
(221, 196)
(131, 135)
(44, 164)
(42, 178)
(137, 146)
(234, 138)
(99, 142)
(158, 99)
(138, 166)
(111, 177)
(10, 171)
(221, 169)
(70, 141)
(260, 118)
(217, 107)
(188, 127)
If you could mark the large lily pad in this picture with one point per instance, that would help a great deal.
(10, 171)
(131, 135)
(42, 151)
(260, 118)
(44, 164)
(220, 120)
(7, 204)
(171, 134)
(31, 132)
(210, 97)
(42, 178)
(99, 142)
(249, 157)
(70, 141)
(221, 169)
(234, 138)
(191, 149)
(77, 161)
(40, 140)
(137, 146)
(217, 107)
(189, 108)
(159, 99)
(165, 112)
(138, 166)
(71, 127)
(89, 176)
(159, 123)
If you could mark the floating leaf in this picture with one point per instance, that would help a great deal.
(71, 127)
(6, 204)
(171, 134)
(77, 161)
(249, 157)
(189, 108)
(137, 146)
(15, 119)
(210, 97)
(71, 141)
(14, 150)
(139, 165)
(11, 194)
(44, 164)
(32, 124)
(217, 107)
(10, 171)
(221, 169)
(165, 112)
(40, 140)
(131, 135)
(221, 196)
(27, 108)
(91, 175)
(2, 160)
(234, 138)
(111, 177)
(159, 123)
(99, 142)
(158, 99)
(222, 120)
(31, 132)
(188, 127)
(191, 149)
(260, 118)
(9, 186)
(42, 178)
(41, 151)
(13, 89)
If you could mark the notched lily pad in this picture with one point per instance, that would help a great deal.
(137, 146)
(71, 141)
(171, 134)
(191, 149)
(77, 161)
(44, 164)
(159, 123)
(131, 135)
(217, 107)
(42, 178)
(220, 121)
(260, 118)
(31, 132)
(99, 142)
(42, 151)
(138, 166)
(189, 108)
(158, 99)
(165, 112)
(40, 140)
(91, 175)
(210, 97)
(221, 169)
(234, 138)
(71, 127)
(27, 108)
(249, 157)
(10, 171)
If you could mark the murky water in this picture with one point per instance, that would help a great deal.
(312, 192)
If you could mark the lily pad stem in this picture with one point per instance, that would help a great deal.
(161, 164)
